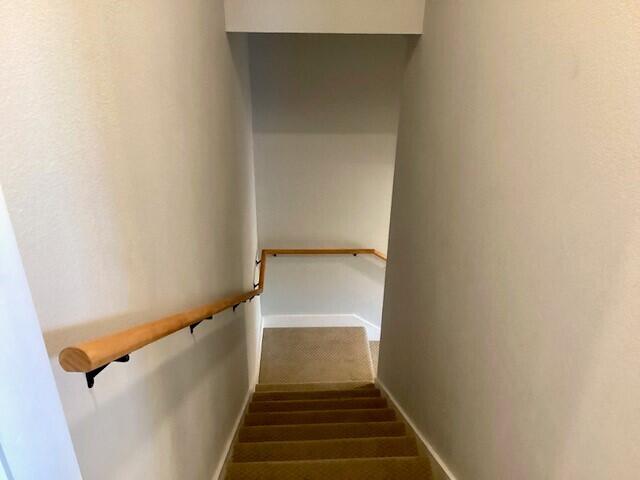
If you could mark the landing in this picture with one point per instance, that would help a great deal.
(309, 355)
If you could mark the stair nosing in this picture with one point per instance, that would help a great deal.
(298, 425)
(332, 440)
(355, 399)
(337, 460)
(376, 394)
(362, 447)
(309, 401)
(249, 430)
(354, 385)
(323, 412)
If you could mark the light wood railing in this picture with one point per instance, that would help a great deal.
(92, 356)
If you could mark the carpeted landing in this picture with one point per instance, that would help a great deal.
(323, 427)
(320, 354)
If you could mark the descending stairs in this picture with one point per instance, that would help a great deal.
(324, 431)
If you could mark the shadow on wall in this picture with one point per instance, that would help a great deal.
(326, 83)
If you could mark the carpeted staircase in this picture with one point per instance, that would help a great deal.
(324, 431)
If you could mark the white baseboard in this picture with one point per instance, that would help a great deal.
(236, 426)
(229, 443)
(322, 320)
(256, 376)
(420, 435)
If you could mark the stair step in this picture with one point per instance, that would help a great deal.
(306, 387)
(322, 404)
(322, 431)
(326, 449)
(315, 394)
(320, 416)
(414, 468)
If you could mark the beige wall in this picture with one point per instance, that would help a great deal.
(325, 113)
(511, 325)
(126, 161)
(325, 16)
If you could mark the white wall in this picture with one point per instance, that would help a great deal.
(325, 16)
(324, 286)
(34, 438)
(325, 112)
(511, 328)
(126, 159)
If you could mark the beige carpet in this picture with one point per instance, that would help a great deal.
(306, 355)
(340, 432)
(316, 415)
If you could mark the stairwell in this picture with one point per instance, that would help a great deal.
(328, 430)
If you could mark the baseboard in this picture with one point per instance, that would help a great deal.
(373, 331)
(217, 475)
(446, 472)
(256, 370)
(322, 320)
(236, 426)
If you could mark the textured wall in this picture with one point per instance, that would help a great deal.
(325, 113)
(126, 161)
(511, 325)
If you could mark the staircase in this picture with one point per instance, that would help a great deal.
(324, 431)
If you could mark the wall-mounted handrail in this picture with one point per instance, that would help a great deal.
(91, 356)
(325, 251)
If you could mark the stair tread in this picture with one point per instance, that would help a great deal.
(317, 404)
(387, 468)
(320, 431)
(306, 387)
(315, 394)
(319, 416)
(325, 449)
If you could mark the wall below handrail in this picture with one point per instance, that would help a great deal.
(92, 355)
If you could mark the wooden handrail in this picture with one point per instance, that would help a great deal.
(94, 354)
(324, 251)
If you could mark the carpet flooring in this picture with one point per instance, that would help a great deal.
(324, 354)
(316, 414)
